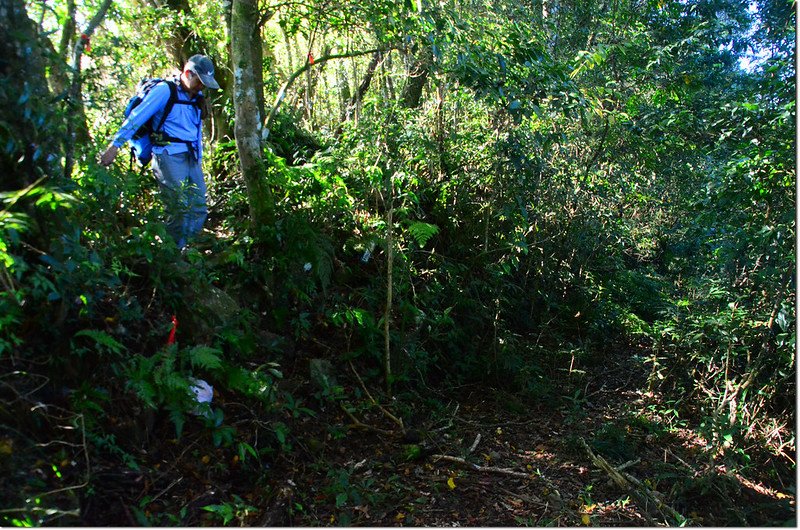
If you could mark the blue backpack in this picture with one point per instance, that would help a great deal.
(150, 134)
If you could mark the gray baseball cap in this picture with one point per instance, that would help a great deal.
(204, 68)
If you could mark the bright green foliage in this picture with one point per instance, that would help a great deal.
(237, 509)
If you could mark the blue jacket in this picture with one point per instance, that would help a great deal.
(183, 122)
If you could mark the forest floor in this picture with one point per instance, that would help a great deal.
(483, 459)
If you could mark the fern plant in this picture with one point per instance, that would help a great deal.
(158, 381)
(422, 232)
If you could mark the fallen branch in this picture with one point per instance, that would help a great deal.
(357, 424)
(449, 422)
(643, 495)
(695, 473)
(388, 414)
(483, 469)
(46, 511)
(494, 425)
(174, 483)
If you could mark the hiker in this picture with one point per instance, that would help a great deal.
(176, 146)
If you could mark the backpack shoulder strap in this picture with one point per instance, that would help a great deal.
(196, 102)
(173, 97)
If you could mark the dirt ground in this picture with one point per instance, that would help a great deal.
(474, 458)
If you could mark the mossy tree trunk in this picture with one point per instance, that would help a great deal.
(247, 127)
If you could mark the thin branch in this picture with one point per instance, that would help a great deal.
(695, 473)
(325, 58)
(39, 509)
(20, 194)
(26, 396)
(174, 482)
(389, 415)
(449, 423)
(527, 498)
(493, 425)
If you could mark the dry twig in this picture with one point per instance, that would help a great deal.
(474, 444)
(483, 469)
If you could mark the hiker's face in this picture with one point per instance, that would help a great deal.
(192, 82)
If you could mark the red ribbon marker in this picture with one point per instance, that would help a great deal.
(171, 339)
(310, 59)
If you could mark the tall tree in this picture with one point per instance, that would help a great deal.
(247, 129)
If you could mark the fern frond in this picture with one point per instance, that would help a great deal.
(103, 340)
(205, 357)
(422, 232)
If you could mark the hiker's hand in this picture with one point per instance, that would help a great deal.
(108, 157)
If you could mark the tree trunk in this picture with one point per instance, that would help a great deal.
(257, 60)
(387, 313)
(77, 128)
(181, 42)
(25, 102)
(59, 79)
(247, 127)
(411, 96)
(355, 100)
(344, 91)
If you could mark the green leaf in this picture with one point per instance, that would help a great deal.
(224, 511)
(205, 357)
(341, 499)
(179, 420)
(281, 430)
